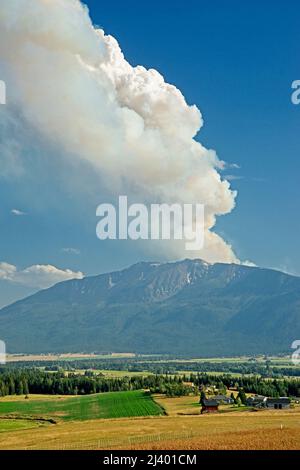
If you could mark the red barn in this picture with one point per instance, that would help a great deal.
(209, 406)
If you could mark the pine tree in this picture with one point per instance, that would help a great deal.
(242, 396)
(202, 397)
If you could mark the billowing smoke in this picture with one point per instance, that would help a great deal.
(72, 83)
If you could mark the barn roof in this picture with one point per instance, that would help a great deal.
(211, 402)
(280, 400)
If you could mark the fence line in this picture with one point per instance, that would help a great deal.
(108, 443)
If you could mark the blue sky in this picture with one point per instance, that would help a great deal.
(234, 60)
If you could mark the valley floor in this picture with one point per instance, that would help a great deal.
(183, 428)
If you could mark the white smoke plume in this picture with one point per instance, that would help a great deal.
(72, 83)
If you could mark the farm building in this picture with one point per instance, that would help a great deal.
(223, 400)
(209, 406)
(278, 403)
(256, 400)
(260, 401)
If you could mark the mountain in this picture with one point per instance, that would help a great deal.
(188, 307)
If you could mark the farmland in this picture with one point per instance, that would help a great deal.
(61, 410)
(240, 430)
(118, 365)
(104, 405)
(17, 424)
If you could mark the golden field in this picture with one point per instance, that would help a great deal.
(262, 439)
(183, 428)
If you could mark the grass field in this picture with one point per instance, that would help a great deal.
(104, 405)
(274, 360)
(140, 425)
(17, 424)
(261, 439)
(114, 373)
(65, 357)
(260, 430)
(179, 406)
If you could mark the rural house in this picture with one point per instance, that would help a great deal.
(256, 400)
(209, 406)
(223, 400)
(278, 403)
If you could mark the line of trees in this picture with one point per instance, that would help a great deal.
(24, 381)
(265, 369)
(251, 384)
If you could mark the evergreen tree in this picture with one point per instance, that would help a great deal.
(202, 397)
(242, 396)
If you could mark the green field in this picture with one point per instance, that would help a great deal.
(17, 424)
(102, 405)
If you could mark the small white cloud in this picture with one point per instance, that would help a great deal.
(38, 276)
(233, 166)
(233, 177)
(71, 251)
(7, 271)
(17, 212)
(249, 263)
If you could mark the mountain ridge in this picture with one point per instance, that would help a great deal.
(184, 307)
